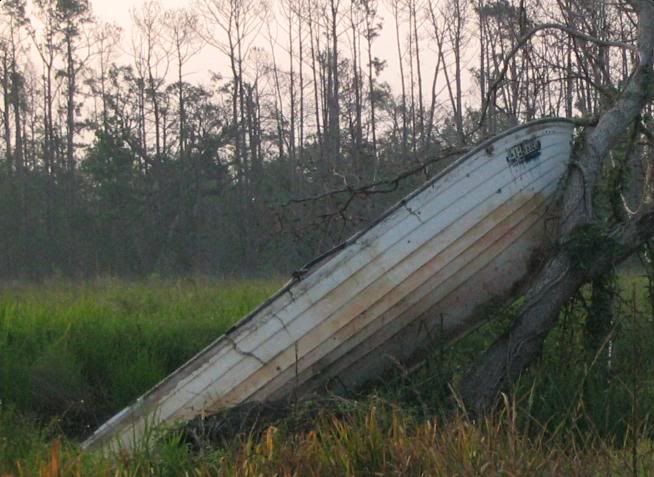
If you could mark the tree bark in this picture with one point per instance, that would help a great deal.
(503, 362)
(5, 113)
(396, 16)
(371, 32)
(562, 275)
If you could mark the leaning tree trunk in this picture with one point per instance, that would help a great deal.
(564, 273)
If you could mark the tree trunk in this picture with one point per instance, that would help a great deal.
(370, 32)
(333, 92)
(5, 113)
(19, 159)
(562, 275)
(316, 87)
(70, 103)
(421, 106)
(405, 129)
(301, 85)
(503, 362)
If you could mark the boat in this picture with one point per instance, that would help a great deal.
(422, 272)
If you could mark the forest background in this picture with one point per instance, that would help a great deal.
(112, 163)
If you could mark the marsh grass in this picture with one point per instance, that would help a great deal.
(573, 413)
(375, 438)
(78, 353)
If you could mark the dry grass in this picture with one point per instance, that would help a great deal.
(376, 439)
(569, 421)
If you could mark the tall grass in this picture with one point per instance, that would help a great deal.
(376, 438)
(70, 355)
(381, 439)
(81, 352)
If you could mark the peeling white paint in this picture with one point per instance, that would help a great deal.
(421, 271)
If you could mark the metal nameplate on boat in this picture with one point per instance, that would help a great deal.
(523, 152)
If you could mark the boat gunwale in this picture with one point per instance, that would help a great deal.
(524, 218)
(250, 354)
(137, 407)
(380, 328)
(550, 184)
(314, 264)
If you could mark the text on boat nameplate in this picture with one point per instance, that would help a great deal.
(523, 152)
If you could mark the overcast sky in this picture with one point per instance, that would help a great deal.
(197, 70)
(118, 12)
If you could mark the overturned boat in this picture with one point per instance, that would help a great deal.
(418, 274)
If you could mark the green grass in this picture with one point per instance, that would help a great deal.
(71, 355)
(83, 352)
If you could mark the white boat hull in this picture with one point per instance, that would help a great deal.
(418, 274)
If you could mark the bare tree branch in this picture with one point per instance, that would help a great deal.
(379, 187)
(525, 38)
(563, 275)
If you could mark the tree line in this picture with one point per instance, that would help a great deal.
(114, 164)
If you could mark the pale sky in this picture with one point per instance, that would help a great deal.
(118, 12)
(197, 70)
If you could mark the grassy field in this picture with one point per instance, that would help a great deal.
(71, 355)
(82, 352)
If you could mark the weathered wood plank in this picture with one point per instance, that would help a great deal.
(477, 220)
